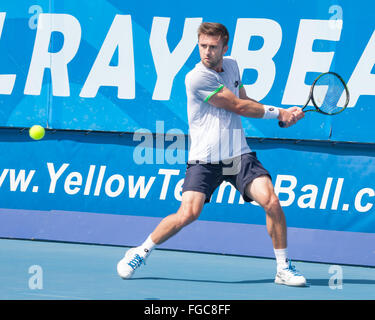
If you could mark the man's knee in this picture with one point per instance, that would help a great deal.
(190, 209)
(272, 204)
(187, 215)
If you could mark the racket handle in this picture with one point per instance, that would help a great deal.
(282, 124)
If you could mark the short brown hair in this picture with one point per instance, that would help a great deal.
(214, 29)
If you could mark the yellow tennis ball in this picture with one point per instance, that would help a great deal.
(36, 132)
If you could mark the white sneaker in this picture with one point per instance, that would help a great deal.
(290, 277)
(130, 262)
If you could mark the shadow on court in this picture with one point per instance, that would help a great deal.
(310, 282)
(206, 281)
(325, 282)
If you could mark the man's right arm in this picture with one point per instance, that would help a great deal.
(249, 108)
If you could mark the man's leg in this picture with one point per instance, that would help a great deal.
(191, 206)
(261, 190)
(190, 209)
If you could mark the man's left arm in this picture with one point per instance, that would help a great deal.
(243, 94)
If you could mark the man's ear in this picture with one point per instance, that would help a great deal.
(225, 49)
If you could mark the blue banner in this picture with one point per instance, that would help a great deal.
(319, 186)
(120, 66)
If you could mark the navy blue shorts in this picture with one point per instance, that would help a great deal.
(206, 177)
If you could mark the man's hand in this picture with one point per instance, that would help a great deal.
(290, 116)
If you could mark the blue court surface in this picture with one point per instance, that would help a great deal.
(40, 270)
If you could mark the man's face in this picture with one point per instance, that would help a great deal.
(211, 50)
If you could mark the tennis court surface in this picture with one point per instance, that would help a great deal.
(40, 270)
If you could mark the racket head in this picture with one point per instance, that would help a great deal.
(329, 93)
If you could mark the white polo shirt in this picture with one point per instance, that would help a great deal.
(215, 133)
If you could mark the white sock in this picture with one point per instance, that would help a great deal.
(147, 246)
(281, 258)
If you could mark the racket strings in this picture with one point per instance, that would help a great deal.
(328, 101)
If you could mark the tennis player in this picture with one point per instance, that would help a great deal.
(216, 100)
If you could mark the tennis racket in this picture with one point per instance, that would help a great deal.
(329, 95)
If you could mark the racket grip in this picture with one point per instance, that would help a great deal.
(282, 124)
